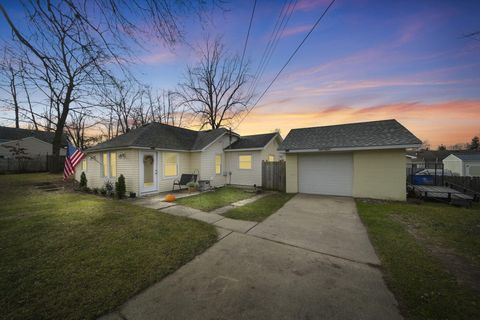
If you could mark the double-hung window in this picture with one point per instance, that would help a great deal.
(218, 164)
(109, 164)
(245, 161)
(170, 165)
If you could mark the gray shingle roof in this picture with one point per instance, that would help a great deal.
(252, 142)
(468, 157)
(354, 135)
(162, 136)
(8, 134)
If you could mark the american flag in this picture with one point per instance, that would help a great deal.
(73, 157)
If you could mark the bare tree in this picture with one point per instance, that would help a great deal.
(122, 99)
(67, 45)
(215, 89)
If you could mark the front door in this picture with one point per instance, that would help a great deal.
(148, 172)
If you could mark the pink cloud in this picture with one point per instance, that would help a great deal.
(157, 58)
(305, 5)
(295, 30)
(447, 122)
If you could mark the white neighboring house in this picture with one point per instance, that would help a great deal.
(463, 164)
(35, 143)
(153, 156)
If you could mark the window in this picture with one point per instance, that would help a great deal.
(105, 165)
(170, 164)
(271, 158)
(245, 162)
(113, 164)
(84, 165)
(218, 164)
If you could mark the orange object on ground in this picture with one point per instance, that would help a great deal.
(170, 198)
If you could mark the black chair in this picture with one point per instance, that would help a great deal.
(184, 179)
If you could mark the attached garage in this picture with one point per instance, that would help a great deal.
(365, 160)
(327, 173)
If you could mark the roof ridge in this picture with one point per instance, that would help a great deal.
(346, 124)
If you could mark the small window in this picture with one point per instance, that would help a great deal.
(105, 165)
(218, 164)
(271, 158)
(170, 164)
(113, 164)
(245, 162)
(84, 165)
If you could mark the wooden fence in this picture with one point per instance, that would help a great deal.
(273, 175)
(36, 164)
(472, 183)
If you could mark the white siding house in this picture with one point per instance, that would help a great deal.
(463, 164)
(152, 157)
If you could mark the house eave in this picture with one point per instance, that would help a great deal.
(403, 146)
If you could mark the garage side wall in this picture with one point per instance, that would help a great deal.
(291, 168)
(379, 174)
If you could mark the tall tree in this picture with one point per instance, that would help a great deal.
(475, 144)
(68, 44)
(215, 89)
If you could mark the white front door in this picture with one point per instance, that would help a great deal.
(326, 173)
(148, 171)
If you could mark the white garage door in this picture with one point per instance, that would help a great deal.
(326, 173)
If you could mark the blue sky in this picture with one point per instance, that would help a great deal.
(367, 60)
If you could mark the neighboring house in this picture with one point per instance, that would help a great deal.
(35, 143)
(153, 156)
(428, 158)
(463, 164)
(365, 160)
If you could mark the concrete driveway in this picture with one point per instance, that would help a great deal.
(310, 260)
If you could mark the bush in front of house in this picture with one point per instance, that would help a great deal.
(108, 188)
(120, 188)
(83, 181)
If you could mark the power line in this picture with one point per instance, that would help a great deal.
(288, 61)
(279, 34)
(248, 33)
(269, 44)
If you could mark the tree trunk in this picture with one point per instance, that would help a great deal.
(57, 166)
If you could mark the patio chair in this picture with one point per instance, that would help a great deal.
(184, 179)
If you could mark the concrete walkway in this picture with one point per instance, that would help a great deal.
(310, 260)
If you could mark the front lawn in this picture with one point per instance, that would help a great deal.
(430, 256)
(77, 256)
(260, 209)
(209, 201)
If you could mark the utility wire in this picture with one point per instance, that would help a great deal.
(267, 48)
(288, 61)
(248, 33)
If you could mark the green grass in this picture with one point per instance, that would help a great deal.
(405, 235)
(260, 209)
(209, 201)
(77, 256)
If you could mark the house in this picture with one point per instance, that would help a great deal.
(35, 143)
(365, 160)
(428, 158)
(153, 156)
(463, 164)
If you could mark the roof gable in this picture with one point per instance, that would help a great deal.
(257, 141)
(162, 136)
(9, 134)
(364, 135)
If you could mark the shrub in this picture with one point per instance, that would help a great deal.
(103, 191)
(95, 191)
(120, 188)
(108, 188)
(83, 181)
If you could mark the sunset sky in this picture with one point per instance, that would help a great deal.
(367, 60)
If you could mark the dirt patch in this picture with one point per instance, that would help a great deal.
(463, 270)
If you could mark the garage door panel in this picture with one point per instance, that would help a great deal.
(323, 173)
